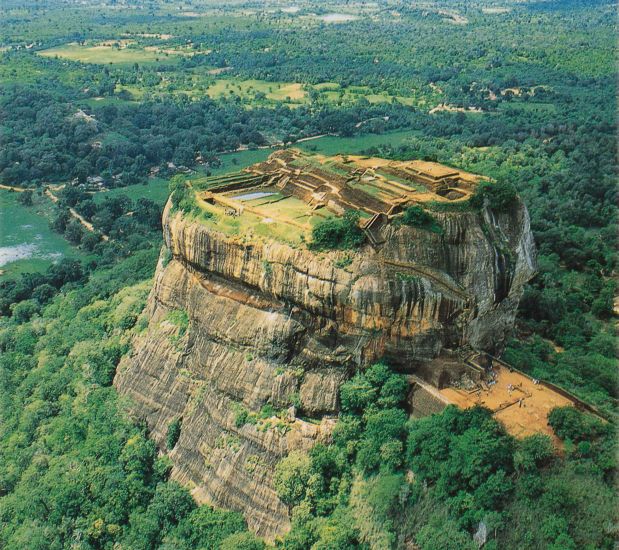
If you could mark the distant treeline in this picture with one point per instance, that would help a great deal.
(48, 138)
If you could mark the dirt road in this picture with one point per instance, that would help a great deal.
(76, 215)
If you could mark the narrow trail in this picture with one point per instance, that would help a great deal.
(85, 223)
(11, 188)
(275, 144)
(311, 138)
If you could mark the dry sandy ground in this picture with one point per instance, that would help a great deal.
(523, 410)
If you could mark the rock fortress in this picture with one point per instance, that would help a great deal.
(271, 326)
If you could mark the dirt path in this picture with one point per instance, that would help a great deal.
(11, 188)
(310, 138)
(53, 197)
(76, 215)
(273, 145)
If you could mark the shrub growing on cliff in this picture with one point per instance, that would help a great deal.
(182, 196)
(460, 206)
(174, 432)
(499, 195)
(338, 233)
(179, 319)
(416, 216)
(240, 417)
(167, 256)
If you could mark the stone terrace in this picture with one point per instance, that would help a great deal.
(298, 189)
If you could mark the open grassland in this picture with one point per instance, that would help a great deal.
(115, 53)
(156, 190)
(33, 70)
(101, 101)
(262, 92)
(333, 145)
(27, 244)
(257, 90)
(332, 92)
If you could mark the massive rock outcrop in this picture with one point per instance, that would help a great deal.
(236, 324)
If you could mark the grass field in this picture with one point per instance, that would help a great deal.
(104, 53)
(29, 70)
(232, 162)
(248, 89)
(333, 145)
(285, 219)
(101, 101)
(287, 209)
(334, 93)
(295, 93)
(250, 225)
(156, 190)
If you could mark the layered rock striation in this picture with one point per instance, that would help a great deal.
(269, 332)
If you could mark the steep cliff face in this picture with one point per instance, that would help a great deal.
(266, 323)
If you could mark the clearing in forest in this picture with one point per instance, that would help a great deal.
(263, 92)
(111, 52)
(258, 90)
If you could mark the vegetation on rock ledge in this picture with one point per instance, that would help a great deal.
(416, 216)
(338, 233)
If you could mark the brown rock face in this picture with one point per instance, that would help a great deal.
(270, 324)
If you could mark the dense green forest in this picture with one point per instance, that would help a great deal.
(75, 471)
(521, 92)
(467, 472)
(48, 140)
